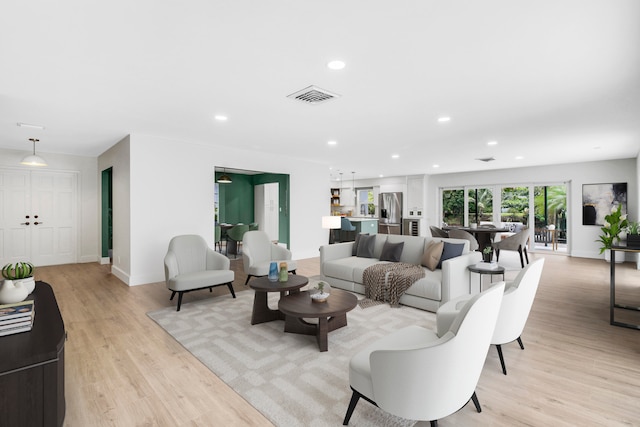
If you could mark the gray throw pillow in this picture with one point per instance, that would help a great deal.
(366, 244)
(449, 251)
(392, 251)
(355, 243)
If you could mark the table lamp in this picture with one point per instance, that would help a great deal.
(331, 222)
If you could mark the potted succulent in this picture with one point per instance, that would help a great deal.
(614, 224)
(20, 272)
(321, 295)
(633, 234)
(487, 254)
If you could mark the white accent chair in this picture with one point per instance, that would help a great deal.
(514, 311)
(258, 253)
(190, 264)
(415, 374)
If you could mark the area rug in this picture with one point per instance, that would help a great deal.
(284, 375)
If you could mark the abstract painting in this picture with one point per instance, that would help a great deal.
(599, 200)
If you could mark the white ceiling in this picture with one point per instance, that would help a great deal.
(551, 81)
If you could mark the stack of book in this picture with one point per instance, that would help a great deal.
(487, 265)
(16, 317)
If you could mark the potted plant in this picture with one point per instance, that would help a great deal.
(633, 234)
(487, 254)
(18, 282)
(614, 224)
(321, 295)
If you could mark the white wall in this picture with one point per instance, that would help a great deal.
(117, 157)
(582, 237)
(172, 192)
(86, 167)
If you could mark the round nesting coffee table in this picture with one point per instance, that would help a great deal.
(331, 314)
(491, 271)
(262, 285)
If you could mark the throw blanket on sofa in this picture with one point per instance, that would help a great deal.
(400, 276)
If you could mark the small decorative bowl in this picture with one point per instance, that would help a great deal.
(320, 297)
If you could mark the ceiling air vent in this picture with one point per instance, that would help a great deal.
(486, 159)
(313, 95)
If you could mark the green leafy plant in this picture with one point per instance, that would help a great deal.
(633, 228)
(320, 287)
(21, 270)
(615, 223)
(487, 250)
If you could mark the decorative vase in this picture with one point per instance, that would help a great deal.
(487, 257)
(28, 283)
(273, 272)
(633, 240)
(284, 273)
(11, 292)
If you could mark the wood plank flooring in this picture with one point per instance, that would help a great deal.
(124, 370)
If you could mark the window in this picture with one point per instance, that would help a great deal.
(365, 203)
(453, 207)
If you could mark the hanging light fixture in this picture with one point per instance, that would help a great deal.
(224, 178)
(33, 159)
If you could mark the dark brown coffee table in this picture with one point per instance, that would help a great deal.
(331, 314)
(262, 285)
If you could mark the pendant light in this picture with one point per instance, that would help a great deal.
(224, 178)
(33, 159)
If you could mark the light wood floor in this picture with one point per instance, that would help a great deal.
(124, 370)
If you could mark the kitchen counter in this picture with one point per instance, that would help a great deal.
(365, 224)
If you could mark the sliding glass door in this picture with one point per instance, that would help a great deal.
(542, 209)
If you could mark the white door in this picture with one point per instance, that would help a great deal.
(267, 209)
(38, 220)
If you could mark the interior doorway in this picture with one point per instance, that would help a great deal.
(107, 217)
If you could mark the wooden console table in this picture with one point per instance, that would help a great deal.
(612, 300)
(32, 367)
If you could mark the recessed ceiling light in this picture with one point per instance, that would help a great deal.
(395, 156)
(444, 119)
(492, 143)
(519, 157)
(26, 125)
(336, 65)
(381, 176)
(220, 118)
(332, 142)
(436, 166)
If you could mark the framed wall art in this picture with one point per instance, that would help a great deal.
(599, 199)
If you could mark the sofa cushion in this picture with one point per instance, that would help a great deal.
(450, 250)
(349, 269)
(355, 243)
(432, 255)
(430, 286)
(391, 251)
(366, 245)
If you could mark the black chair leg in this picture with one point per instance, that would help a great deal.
(179, 300)
(497, 255)
(230, 286)
(520, 342)
(173, 294)
(211, 289)
(525, 255)
(476, 402)
(434, 423)
(293, 272)
(504, 368)
(246, 282)
(352, 405)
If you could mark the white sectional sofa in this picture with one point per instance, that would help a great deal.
(342, 270)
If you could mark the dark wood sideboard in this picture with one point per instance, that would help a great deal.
(32, 367)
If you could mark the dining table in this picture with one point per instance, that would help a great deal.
(484, 235)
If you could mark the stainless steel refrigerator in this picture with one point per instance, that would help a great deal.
(390, 213)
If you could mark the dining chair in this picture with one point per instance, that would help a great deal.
(236, 234)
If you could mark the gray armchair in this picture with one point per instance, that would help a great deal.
(258, 253)
(190, 264)
(517, 242)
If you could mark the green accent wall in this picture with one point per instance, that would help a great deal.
(236, 200)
